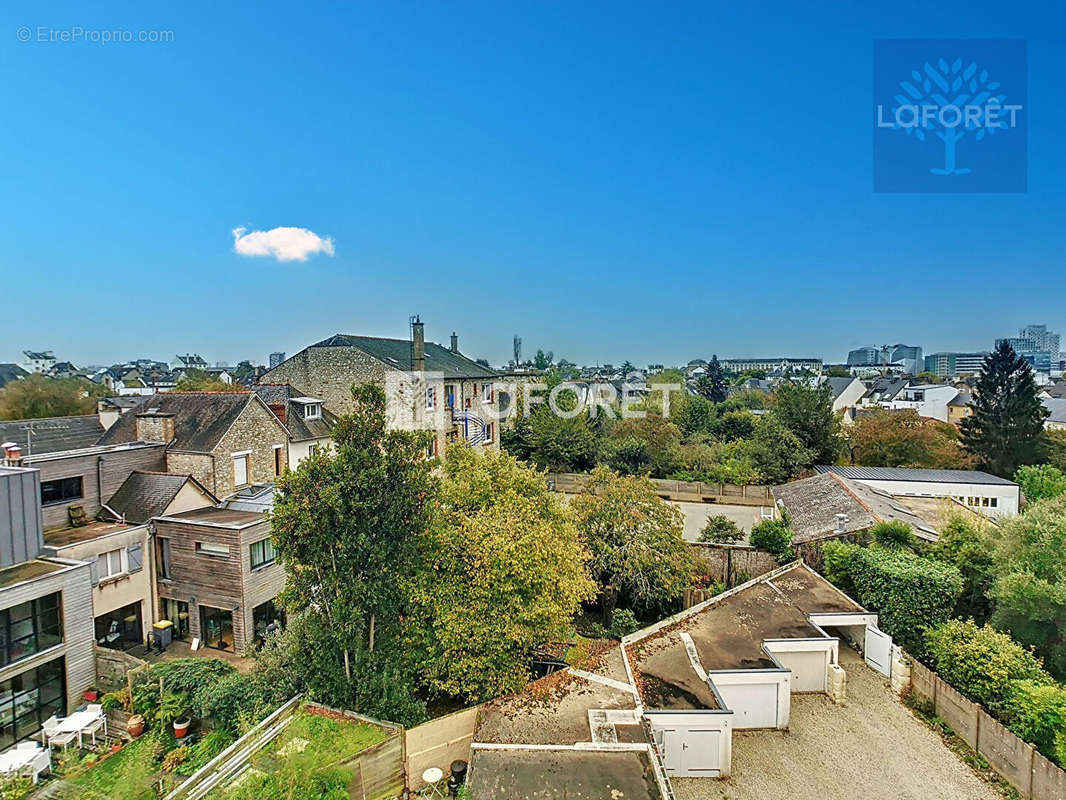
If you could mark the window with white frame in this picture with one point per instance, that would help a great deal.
(212, 549)
(431, 398)
(240, 469)
(486, 393)
(313, 411)
(110, 564)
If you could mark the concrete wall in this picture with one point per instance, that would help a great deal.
(1017, 761)
(438, 743)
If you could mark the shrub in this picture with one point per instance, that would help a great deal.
(981, 662)
(836, 564)
(1040, 482)
(15, 788)
(1038, 715)
(175, 758)
(117, 699)
(230, 701)
(773, 536)
(204, 750)
(623, 623)
(908, 592)
(186, 675)
(721, 530)
(894, 534)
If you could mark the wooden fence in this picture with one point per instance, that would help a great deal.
(686, 491)
(1032, 775)
(438, 743)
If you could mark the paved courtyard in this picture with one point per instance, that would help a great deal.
(871, 749)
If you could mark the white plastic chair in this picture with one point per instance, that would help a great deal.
(56, 736)
(41, 762)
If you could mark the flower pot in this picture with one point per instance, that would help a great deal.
(135, 726)
(181, 727)
(90, 695)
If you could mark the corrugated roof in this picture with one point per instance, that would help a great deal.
(201, 419)
(912, 474)
(397, 354)
(52, 434)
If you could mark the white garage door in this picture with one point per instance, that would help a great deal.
(808, 669)
(692, 752)
(753, 704)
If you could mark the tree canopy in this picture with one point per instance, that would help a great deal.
(1005, 430)
(712, 384)
(901, 438)
(36, 396)
(807, 411)
(635, 540)
(504, 571)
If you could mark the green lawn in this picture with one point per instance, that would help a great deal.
(124, 776)
(301, 763)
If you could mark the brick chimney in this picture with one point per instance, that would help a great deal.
(418, 346)
(279, 410)
(12, 454)
(455, 342)
(153, 426)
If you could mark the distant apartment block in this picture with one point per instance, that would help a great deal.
(951, 365)
(38, 360)
(771, 364)
(1045, 340)
(909, 357)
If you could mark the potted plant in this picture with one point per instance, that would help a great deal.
(181, 726)
(135, 726)
(91, 694)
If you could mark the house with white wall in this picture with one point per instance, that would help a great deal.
(987, 494)
(928, 401)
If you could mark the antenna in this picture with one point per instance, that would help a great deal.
(517, 349)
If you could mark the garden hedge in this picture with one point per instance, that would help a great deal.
(909, 593)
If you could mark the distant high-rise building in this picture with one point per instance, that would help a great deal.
(1045, 340)
(864, 356)
(910, 356)
(275, 359)
(951, 365)
(1040, 360)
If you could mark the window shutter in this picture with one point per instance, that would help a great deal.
(94, 574)
(135, 557)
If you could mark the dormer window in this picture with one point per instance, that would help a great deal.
(313, 411)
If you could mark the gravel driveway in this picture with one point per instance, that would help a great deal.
(871, 749)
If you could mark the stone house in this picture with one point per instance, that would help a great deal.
(308, 422)
(427, 386)
(225, 440)
(217, 576)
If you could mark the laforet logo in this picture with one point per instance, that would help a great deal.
(950, 116)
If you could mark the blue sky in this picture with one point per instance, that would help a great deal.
(609, 180)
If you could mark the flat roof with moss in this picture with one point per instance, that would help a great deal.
(27, 571)
(561, 775)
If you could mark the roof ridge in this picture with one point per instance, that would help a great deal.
(851, 491)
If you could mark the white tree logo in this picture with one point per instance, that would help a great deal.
(950, 102)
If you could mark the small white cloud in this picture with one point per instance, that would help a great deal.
(285, 244)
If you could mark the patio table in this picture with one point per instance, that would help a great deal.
(19, 758)
(77, 722)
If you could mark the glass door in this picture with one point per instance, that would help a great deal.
(216, 628)
(178, 613)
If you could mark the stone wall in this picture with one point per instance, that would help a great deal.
(258, 430)
(729, 563)
(328, 373)
(200, 465)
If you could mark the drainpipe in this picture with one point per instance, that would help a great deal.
(100, 480)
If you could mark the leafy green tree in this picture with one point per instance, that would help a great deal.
(712, 384)
(1006, 427)
(1040, 482)
(561, 444)
(893, 534)
(901, 438)
(1055, 449)
(661, 442)
(1029, 591)
(542, 360)
(694, 415)
(1037, 714)
(968, 544)
(776, 452)
(926, 377)
(807, 411)
(197, 380)
(837, 371)
(734, 425)
(721, 530)
(635, 539)
(627, 456)
(345, 524)
(981, 662)
(503, 571)
(36, 397)
(774, 536)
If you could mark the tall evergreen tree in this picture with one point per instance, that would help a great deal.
(1006, 428)
(711, 386)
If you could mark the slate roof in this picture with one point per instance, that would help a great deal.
(813, 504)
(909, 474)
(144, 495)
(1057, 407)
(1056, 390)
(838, 385)
(201, 419)
(52, 434)
(885, 388)
(299, 429)
(397, 354)
(125, 401)
(11, 372)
